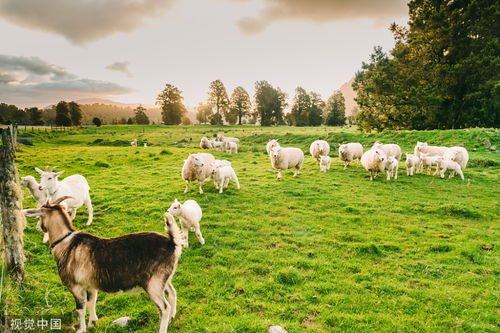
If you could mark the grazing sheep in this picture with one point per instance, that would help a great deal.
(205, 143)
(457, 154)
(189, 214)
(88, 264)
(222, 176)
(217, 145)
(412, 164)
(222, 138)
(324, 163)
(423, 147)
(389, 149)
(374, 161)
(319, 148)
(271, 144)
(444, 164)
(349, 152)
(286, 158)
(197, 167)
(428, 161)
(231, 147)
(391, 168)
(134, 143)
(75, 186)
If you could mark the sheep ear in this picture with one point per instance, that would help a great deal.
(39, 171)
(57, 174)
(32, 212)
(175, 200)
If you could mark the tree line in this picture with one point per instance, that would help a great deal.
(443, 72)
(268, 107)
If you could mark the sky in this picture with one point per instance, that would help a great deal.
(127, 50)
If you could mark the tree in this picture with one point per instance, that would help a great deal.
(35, 116)
(217, 96)
(170, 101)
(96, 121)
(269, 104)
(75, 113)
(186, 121)
(240, 105)
(315, 112)
(140, 116)
(62, 114)
(203, 112)
(300, 108)
(130, 121)
(335, 110)
(123, 121)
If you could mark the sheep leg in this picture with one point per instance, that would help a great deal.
(172, 298)
(91, 299)
(388, 173)
(90, 210)
(200, 185)
(215, 184)
(461, 174)
(279, 174)
(226, 182)
(396, 174)
(296, 171)
(235, 178)
(346, 164)
(443, 170)
(80, 296)
(198, 233)
(221, 185)
(187, 186)
(371, 175)
(156, 293)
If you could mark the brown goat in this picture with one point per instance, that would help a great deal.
(88, 263)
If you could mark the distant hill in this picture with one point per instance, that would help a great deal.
(349, 95)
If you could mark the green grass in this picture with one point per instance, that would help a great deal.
(319, 253)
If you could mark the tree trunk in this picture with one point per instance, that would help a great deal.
(13, 221)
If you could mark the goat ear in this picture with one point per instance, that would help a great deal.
(61, 199)
(39, 171)
(175, 200)
(57, 174)
(32, 212)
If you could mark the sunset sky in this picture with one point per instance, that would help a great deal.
(127, 50)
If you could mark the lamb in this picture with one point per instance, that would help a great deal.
(217, 145)
(391, 167)
(189, 214)
(423, 147)
(222, 176)
(412, 164)
(324, 163)
(444, 164)
(75, 186)
(219, 163)
(222, 138)
(286, 158)
(319, 148)
(349, 152)
(205, 143)
(270, 145)
(389, 149)
(134, 143)
(428, 161)
(231, 147)
(374, 161)
(197, 167)
(88, 264)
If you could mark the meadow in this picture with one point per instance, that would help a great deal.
(323, 252)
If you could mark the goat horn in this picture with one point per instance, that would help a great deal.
(46, 168)
(61, 199)
(53, 168)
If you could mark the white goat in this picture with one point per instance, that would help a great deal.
(41, 197)
(324, 163)
(189, 214)
(75, 186)
(222, 176)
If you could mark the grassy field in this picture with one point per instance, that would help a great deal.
(324, 252)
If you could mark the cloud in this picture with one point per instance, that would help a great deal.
(322, 11)
(28, 81)
(82, 21)
(120, 66)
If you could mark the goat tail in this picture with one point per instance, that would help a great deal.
(172, 229)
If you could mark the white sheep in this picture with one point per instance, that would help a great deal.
(217, 145)
(189, 214)
(231, 147)
(412, 164)
(75, 186)
(444, 164)
(457, 154)
(222, 138)
(222, 176)
(219, 163)
(389, 149)
(134, 143)
(286, 158)
(374, 161)
(423, 147)
(324, 163)
(428, 161)
(391, 168)
(349, 152)
(205, 143)
(197, 167)
(271, 144)
(319, 148)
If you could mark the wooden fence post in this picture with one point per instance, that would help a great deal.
(13, 220)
